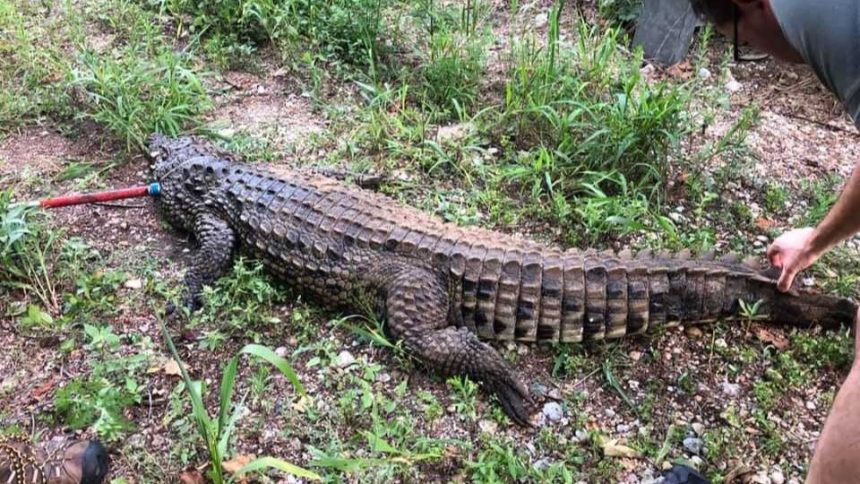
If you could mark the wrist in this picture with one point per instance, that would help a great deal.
(817, 243)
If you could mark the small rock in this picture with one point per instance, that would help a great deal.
(281, 351)
(648, 70)
(542, 464)
(721, 343)
(383, 378)
(696, 462)
(123, 225)
(762, 238)
(777, 477)
(540, 20)
(733, 86)
(609, 412)
(698, 428)
(760, 477)
(581, 435)
(810, 405)
(808, 281)
(344, 359)
(693, 445)
(704, 73)
(133, 284)
(694, 332)
(633, 384)
(731, 389)
(635, 355)
(622, 428)
(677, 217)
(522, 349)
(488, 426)
(553, 411)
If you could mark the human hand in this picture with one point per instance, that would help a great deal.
(791, 252)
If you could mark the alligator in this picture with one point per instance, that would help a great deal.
(75, 462)
(444, 290)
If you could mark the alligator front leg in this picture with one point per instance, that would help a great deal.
(212, 258)
(417, 309)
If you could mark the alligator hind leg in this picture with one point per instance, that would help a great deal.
(417, 312)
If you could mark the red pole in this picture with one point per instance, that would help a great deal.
(107, 196)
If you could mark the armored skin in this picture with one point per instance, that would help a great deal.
(442, 288)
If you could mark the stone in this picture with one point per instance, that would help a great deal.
(733, 86)
(609, 412)
(810, 405)
(488, 426)
(698, 428)
(553, 411)
(693, 445)
(704, 73)
(731, 389)
(281, 351)
(344, 359)
(133, 284)
(777, 477)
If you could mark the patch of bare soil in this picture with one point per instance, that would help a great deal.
(265, 107)
(803, 131)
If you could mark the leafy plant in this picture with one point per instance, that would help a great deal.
(217, 432)
(27, 253)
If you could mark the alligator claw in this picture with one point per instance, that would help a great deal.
(515, 401)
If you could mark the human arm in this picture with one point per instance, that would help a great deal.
(797, 249)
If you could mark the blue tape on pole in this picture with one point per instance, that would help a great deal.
(154, 189)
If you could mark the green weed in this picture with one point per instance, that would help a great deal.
(218, 432)
(27, 253)
(114, 384)
(139, 93)
(241, 300)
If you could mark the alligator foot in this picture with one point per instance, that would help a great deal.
(416, 308)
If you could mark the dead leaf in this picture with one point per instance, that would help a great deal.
(681, 70)
(768, 336)
(301, 404)
(191, 477)
(171, 368)
(39, 392)
(736, 475)
(612, 448)
(233, 465)
(764, 223)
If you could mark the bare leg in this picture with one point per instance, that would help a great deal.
(838, 450)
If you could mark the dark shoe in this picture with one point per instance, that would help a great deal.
(681, 474)
(80, 462)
